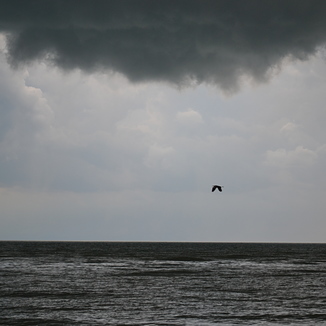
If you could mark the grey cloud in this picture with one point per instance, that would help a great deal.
(174, 41)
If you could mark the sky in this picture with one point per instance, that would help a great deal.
(117, 117)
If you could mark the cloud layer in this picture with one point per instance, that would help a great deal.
(179, 42)
(90, 155)
(96, 157)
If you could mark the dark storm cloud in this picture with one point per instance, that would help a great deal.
(169, 40)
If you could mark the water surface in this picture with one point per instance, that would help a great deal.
(128, 283)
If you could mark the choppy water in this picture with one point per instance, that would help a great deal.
(105, 283)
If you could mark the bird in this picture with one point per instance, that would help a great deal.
(217, 187)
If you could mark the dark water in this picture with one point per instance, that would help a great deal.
(104, 283)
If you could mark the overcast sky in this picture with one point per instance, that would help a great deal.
(117, 117)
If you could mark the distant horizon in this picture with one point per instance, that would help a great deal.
(158, 241)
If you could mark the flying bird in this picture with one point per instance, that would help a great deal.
(217, 187)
